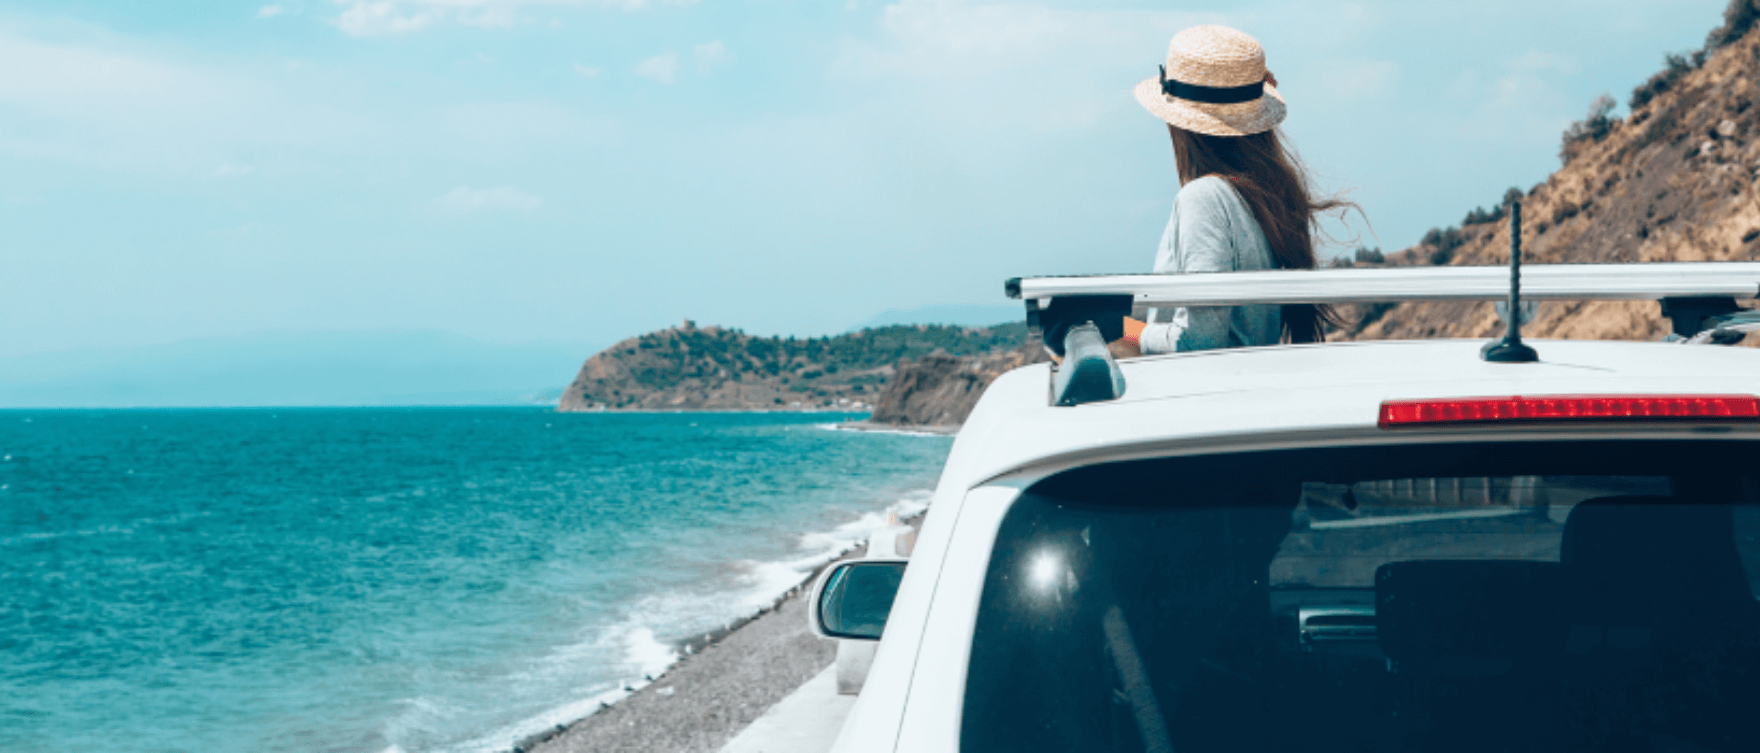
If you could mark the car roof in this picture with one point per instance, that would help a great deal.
(1320, 395)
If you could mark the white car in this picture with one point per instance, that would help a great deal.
(1381, 546)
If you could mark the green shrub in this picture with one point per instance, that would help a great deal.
(1369, 313)
(1363, 255)
(1674, 67)
(1738, 19)
(1443, 243)
(1590, 130)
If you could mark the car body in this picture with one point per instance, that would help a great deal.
(1237, 415)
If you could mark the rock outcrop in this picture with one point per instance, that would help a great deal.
(941, 390)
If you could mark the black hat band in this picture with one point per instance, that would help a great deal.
(1215, 95)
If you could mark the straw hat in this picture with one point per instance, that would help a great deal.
(1214, 83)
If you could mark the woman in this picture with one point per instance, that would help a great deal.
(1244, 203)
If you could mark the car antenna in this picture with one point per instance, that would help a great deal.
(1510, 349)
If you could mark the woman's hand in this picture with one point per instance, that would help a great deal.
(1127, 347)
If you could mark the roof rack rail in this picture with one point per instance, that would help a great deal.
(1628, 282)
(1698, 297)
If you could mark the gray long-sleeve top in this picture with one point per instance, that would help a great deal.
(1212, 230)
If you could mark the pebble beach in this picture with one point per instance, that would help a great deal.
(722, 683)
(709, 696)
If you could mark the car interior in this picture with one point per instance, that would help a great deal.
(1562, 596)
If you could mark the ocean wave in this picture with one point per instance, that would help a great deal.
(841, 539)
(499, 740)
(642, 656)
(649, 638)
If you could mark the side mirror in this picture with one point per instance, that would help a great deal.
(853, 598)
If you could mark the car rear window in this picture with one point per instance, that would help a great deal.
(1491, 596)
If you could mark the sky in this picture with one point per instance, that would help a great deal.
(577, 171)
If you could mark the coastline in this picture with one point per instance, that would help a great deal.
(833, 409)
(721, 682)
(848, 424)
(938, 430)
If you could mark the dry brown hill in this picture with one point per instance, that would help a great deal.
(1674, 181)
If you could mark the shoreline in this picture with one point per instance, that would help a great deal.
(555, 409)
(721, 682)
(939, 430)
(844, 425)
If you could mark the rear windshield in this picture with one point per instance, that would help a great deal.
(1521, 596)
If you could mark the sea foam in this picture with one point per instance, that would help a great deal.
(684, 615)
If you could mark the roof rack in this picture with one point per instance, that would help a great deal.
(1076, 316)
(1697, 296)
(1618, 282)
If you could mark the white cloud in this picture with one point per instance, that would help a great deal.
(661, 68)
(587, 71)
(666, 67)
(368, 19)
(489, 16)
(464, 200)
(66, 79)
(270, 11)
(710, 54)
(1359, 79)
(931, 34)
(1526, 102)
(1043, 66)
(116, 108)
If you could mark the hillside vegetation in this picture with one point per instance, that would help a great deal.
(1673, 181)
(714, 368)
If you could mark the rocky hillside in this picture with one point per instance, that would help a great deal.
(1673, 181)
(714, 368)
(941, 390)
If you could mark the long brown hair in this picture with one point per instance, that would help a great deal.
(1274, 184)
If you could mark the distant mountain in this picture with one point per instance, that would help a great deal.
(972, 315)
(1677, 180)
(293, 369)
(712, 368)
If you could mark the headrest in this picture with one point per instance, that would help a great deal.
(1639, 550)
(1468, 617)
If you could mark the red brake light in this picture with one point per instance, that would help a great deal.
(1477, 410)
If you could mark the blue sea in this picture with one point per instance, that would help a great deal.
(396, 579)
